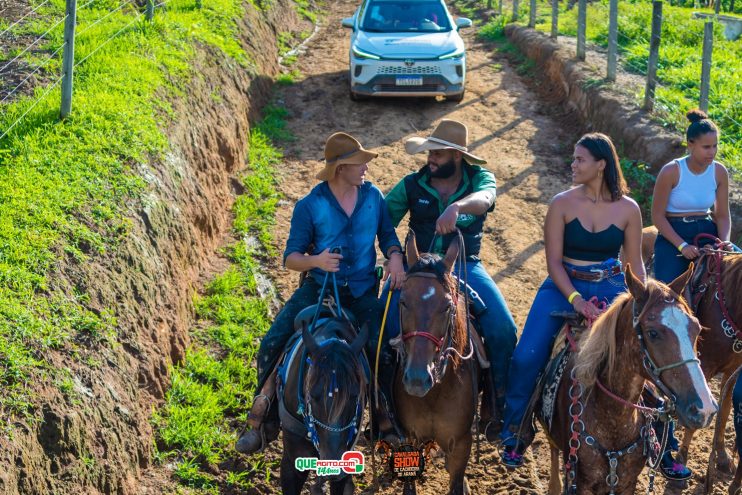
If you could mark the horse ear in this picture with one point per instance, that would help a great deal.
(360, 340)
(410, 247)
(678, 285)
(308, 339)
(452, 254)
(636, 287)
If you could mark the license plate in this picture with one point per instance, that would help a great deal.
(409, 81)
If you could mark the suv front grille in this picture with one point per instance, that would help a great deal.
(401, 69)
(391, 88)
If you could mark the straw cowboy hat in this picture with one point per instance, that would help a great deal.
(342, 148)
(449, 135)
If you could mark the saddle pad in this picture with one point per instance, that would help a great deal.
(550, 381)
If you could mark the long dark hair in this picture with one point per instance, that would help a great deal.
(601, 147)
(700, 124)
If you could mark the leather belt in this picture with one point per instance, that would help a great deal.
(689, 218)
(594, 275)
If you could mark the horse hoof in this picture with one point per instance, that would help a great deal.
(724, 465)
(677, 484)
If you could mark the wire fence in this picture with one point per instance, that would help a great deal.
(639, 45)
(58, 66)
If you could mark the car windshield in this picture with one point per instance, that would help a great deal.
(405, 17)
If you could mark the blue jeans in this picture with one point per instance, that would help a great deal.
(534, 347)
(495, 322)
(669, 264)
(737, 414)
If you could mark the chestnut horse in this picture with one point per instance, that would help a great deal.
(714, 293)
(435, 387)
(720, 349)
(647, 334)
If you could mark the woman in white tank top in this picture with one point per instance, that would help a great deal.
(691, 197)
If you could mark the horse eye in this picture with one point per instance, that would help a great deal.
(652, 333)
(402, 303)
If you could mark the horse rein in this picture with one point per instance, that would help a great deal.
(305, 406)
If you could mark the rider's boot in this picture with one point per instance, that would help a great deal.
(382, 407)
(263, 428)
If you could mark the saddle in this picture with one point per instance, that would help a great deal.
(543, 400)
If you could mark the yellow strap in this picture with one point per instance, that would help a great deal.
(378, 345)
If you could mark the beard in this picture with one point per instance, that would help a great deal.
(444, 171)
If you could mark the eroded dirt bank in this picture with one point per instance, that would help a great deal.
(97, 438)
(525, 132)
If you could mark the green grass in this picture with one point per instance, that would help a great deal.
(679, 64)
(65, 186)
(212, 392)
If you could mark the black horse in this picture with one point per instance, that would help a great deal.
(321, 401)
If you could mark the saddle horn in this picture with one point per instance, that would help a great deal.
(308, 339)
(360, 340)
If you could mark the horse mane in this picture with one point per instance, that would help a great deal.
(732, 279)
(334, 356)
(432, 263)
(598, 348)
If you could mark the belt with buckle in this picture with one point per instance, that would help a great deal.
(690, 218)
(594, 275)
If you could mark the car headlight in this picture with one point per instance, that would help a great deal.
(457, 53)
(358, 53)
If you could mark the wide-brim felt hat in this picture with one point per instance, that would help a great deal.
(342, 148)
(448, 135)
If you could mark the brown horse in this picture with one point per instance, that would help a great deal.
(648, 334)
(435, 388)
(720, 350)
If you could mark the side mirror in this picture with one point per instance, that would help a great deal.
(462, 22)
(349, 21)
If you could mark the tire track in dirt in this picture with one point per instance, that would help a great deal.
(527, 142)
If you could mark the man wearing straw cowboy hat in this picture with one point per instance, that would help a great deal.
(342, 211)
(452, 190)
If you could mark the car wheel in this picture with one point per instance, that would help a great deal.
(355, 96)
(456, 98)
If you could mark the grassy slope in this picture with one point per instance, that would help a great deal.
(64, 186)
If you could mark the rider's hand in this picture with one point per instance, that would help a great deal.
(394, 270)
(691, 252)
(327, 261)
(586, 308)
(446, 223)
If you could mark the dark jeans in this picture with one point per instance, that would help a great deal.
(365, 308)
(737, 414)
(669, 264)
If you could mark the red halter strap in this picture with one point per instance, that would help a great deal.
(427, 335)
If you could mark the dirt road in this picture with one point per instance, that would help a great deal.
(527, 141)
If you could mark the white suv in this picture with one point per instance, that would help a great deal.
(406, 48)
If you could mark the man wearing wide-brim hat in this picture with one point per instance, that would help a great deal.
(454, 191)
(343, 211)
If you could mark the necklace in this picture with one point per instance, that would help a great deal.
(594, 201)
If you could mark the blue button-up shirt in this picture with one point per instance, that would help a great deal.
(319, 221)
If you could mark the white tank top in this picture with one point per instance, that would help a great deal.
(693, 192)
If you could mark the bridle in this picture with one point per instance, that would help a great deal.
(438, 341)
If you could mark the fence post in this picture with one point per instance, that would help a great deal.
(654, 52)
(149, 11)
(515, 10)
(554, 18)
(532, 20)
(499, 7)
(581, 28)
(708, 48)
(612, 40)
(68, 57)
(489, 4)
